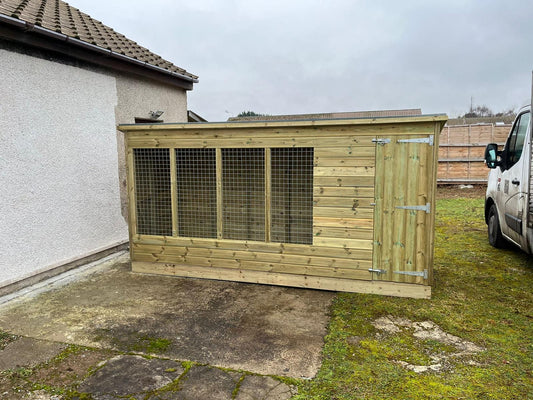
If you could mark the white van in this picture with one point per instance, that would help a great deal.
(508, 202)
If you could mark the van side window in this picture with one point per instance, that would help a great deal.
(515, 144)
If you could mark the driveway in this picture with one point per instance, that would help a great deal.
(238, 335)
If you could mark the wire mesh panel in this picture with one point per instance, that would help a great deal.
(197, 192)
(152, 191)
(292, 195)
(243, 192)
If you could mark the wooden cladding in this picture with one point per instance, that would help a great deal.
(338, 205)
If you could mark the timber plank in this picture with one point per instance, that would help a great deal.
(343, 242)
(413, 174)
(339, 191)
(401, 194)
(268, 194)
(303, 281)
(370, 126)
(347, 233)
(174, 193)
(359, 213)
(352, 161)
(350, 181)
(344, 171)
(351, 202)
(301, 269)
(345, 151)
(318, 261)
(250, 142)
(281, 248)
(343, 222)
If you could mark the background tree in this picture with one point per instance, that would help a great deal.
(484, 111)
(250, 114)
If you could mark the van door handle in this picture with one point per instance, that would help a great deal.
(515, 182)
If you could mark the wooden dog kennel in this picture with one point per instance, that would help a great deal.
(345, 205)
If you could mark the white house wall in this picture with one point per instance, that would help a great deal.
(136, 98)
(59, 182)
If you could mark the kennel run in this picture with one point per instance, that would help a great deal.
(345, 205)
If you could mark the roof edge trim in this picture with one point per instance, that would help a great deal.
(424, 118)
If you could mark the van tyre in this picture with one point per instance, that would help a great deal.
(495, 234)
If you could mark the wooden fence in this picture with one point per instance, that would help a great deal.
(461, 151)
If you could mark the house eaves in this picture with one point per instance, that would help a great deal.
(73, 34)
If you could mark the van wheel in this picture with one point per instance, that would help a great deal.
(495, 234)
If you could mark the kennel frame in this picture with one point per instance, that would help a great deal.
(374, 184)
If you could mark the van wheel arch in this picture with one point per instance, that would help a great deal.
(488, 204)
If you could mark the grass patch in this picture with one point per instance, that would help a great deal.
(480, 294)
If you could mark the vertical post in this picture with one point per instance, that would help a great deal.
(268, 193)
(469, 153)
(220, 220)
(174, 192)
(447, 152)
(132, 203)
(431, 216)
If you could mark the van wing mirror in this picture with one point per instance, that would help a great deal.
(492, 156)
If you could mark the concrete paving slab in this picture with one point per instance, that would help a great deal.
(258, 328)
(72, 368)
(204, 383)
(264, 388)
(28, 352)
(129, 375)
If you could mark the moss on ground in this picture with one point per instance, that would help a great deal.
(480, 294)
(151, 345)
(6, 338)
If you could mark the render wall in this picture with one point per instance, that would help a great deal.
(61, 159)
(136, 98)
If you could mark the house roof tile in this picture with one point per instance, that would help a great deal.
(58, 16)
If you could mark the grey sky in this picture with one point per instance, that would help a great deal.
(287, 57)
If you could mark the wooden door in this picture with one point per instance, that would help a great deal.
(403, 220)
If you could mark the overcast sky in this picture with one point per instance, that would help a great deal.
(307, 56)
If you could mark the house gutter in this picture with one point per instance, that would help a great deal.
(80, 43)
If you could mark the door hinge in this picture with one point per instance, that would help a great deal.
(381, 141)
(428, 140)
(378, 271)
(426, 208)
(423, 274)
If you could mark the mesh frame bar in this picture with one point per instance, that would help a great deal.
(152, 192)
(197, 194)
(292, 195)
